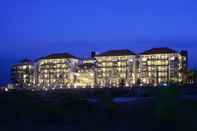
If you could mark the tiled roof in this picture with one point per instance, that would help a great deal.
(116, 53)
(59, 56)
(164, 50)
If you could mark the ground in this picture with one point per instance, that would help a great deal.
(104, 110)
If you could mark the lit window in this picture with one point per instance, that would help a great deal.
(172, 58)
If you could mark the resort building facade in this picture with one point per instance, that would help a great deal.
(22, 74)
(162, 65)
(56, 71)
(86, 73)
(113, 68)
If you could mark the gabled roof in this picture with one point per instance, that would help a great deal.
(163, 50)
(59, 56)
(116, 53)
(24, 62)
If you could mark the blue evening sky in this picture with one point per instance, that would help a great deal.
(32, 28)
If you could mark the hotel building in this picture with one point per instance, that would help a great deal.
(115, 68)
(162, 65)
(56, 71)
(22, 74)
(86, 77)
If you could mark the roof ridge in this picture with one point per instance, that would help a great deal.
(58, 55)
(117, 52)
(159, 50)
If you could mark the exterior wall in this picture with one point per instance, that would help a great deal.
(22, 75)
(160, 68)
(85, 78)
(184, 65)
(56, 72)
(115, 71)
(89, 61)
(86, 74)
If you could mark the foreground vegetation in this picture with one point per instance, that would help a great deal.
(49, 111)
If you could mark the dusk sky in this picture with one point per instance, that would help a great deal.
(33, 28)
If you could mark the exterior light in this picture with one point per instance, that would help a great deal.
(165, 84)
(172, 58)
(6, 89)
(131, 60)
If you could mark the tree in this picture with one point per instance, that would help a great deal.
(192, 76)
